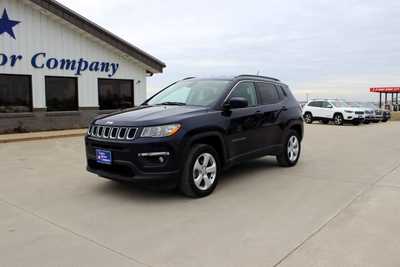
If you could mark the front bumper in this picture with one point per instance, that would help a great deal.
(354, 118)
(129, 165)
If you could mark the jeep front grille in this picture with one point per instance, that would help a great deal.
(113, 133)
(360, 112)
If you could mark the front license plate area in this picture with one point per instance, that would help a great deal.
(103, 156)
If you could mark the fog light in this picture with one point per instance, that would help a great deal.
(154, 154)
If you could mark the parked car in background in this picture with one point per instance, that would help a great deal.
(386, 116)
(369, 112)
(326, 110)
(381, 115)
(378, 113)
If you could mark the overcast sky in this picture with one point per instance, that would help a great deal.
(323, 48)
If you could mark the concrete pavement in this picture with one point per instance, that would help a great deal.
(339, 207)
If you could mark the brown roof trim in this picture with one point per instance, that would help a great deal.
(101, 33)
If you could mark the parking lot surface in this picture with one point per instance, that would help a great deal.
(339, 207)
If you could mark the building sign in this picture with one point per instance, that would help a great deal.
(42, 60)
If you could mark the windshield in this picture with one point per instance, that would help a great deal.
(339, 104)
(192, 93)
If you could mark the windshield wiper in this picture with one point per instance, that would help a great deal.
(172, 104)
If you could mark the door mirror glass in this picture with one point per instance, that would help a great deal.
(237, 102)
(329, 106)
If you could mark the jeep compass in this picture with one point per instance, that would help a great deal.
(191, 131)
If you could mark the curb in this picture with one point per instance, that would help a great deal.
(39, 137)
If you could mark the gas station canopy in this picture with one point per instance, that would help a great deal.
(388, 90)
(393, 91)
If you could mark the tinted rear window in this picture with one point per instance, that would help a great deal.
(269, 93)
(317, 104)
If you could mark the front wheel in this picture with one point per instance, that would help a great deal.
(338, 119)
(201, 172)
(290, 154)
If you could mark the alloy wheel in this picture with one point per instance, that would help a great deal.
(293, 148)
(308, 118)
(205, 171)
(338, 120)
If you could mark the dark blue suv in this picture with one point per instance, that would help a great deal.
(191, 131)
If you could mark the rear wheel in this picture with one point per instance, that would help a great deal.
(338, 119)
(201, 172)
(308, 118)
(290, 154)
(385, 120)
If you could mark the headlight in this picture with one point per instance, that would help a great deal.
(349, 111)
(161, 131)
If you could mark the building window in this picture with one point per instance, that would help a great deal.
(115, 94)
(61, 93)
(15, 93)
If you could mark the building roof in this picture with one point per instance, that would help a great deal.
(155, 65)
(385, 90)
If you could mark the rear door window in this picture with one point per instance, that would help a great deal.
(316, 104)
(268, 92)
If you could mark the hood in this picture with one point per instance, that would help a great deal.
(151, 115)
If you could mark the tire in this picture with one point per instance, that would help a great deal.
(201, 187)
(356, 123)
(338, 119)
(385, 120)
(286, 158)
(367, 122)
(308, 118)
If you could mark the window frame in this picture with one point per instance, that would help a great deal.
(30, 91)
(76, 92)
(107, 79)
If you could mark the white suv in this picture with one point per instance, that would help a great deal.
(327, 110)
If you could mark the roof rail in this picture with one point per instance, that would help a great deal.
(188, 78)
(258, 76)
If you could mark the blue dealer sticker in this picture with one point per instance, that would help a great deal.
(103, 157)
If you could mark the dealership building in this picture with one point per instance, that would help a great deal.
(58, 69)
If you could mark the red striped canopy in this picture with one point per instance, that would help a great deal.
(385, 90)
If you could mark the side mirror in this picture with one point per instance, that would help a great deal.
(236, 102)
(330, 106)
